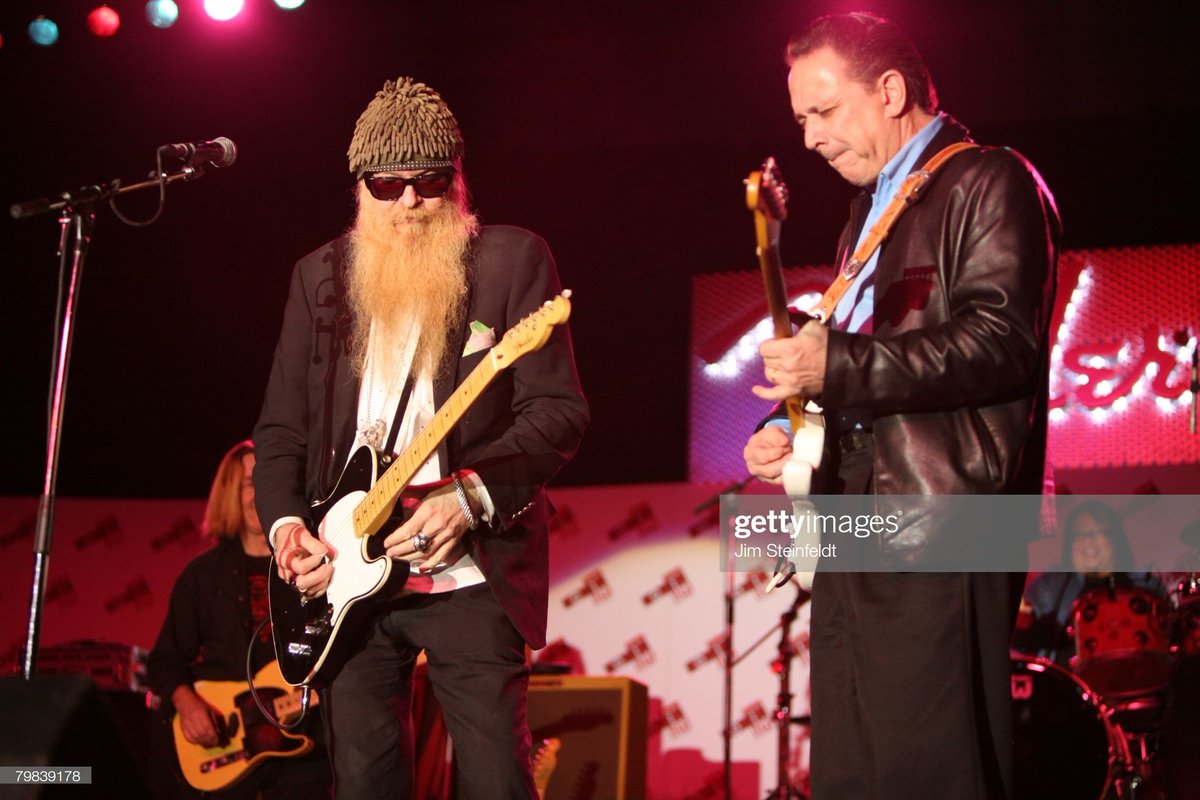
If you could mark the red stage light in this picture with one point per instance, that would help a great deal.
(103, 21)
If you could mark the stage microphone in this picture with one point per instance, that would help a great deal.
(220, 152)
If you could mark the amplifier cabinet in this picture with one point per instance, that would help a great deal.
(600, 725)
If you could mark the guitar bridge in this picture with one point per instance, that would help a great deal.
(223, 761)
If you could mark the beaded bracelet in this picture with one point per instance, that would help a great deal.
(461, 491)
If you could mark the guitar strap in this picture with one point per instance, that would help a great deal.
(906, 196)
(389, 448)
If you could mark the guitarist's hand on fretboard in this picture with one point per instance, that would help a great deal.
(795, 365)
(438, 514)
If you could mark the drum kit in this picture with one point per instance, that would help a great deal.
(1096, 731)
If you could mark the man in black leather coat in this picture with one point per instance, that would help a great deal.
(933, 378)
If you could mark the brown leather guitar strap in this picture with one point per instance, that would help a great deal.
(906, 195)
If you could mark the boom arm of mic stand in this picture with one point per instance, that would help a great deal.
(88, 196)
(801, 598)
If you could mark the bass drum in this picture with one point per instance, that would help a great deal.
(1067, 747)
(1122, 641)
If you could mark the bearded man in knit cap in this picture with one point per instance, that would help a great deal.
(381, 326)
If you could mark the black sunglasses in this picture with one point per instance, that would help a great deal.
(392, 187)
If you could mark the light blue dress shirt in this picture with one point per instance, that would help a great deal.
(858, 304)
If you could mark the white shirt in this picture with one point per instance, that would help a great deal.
(378, 400)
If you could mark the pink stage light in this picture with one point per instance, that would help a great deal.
(103, 21)
(223, 10)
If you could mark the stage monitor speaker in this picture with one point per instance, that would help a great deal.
(66, 721)
(600, 725)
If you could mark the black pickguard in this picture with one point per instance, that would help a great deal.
(303, 631)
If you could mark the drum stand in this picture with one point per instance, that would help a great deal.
(1138, 773)
(1140, 778)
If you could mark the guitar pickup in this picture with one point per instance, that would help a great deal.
(223, 761)
(299, 649)
(319, 626)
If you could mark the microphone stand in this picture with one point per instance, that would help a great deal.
(77, 220)
(784, 790)
(727, 644)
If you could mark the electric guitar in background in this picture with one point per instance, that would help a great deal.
(312, 635)
(247, 737)
(766, 197)
(545, 761)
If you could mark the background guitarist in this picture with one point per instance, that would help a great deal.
(933, 377)
(380, 326)
(217, 602)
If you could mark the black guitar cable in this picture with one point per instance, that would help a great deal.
(305, 691)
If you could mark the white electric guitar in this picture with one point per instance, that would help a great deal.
(766, 197)
(314, 635)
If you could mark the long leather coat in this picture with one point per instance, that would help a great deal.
(955, 375)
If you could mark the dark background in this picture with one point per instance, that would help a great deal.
(620, 131)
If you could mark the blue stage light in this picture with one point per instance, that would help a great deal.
(162, 13)
(43, 31)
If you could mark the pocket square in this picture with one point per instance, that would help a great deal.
(482, 337)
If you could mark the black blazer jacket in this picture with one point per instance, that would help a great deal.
(524, 427)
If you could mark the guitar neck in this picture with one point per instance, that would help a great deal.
(766, 231)
(776, 289)
(766, 197)
(377, 506)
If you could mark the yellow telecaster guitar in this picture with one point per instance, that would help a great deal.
(248, 738)
(766, 197)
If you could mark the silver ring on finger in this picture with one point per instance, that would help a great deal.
(421, 542)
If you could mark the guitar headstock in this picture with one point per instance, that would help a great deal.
(532, 332)
(766, 192)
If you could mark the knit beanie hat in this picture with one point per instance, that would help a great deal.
(406, 126)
